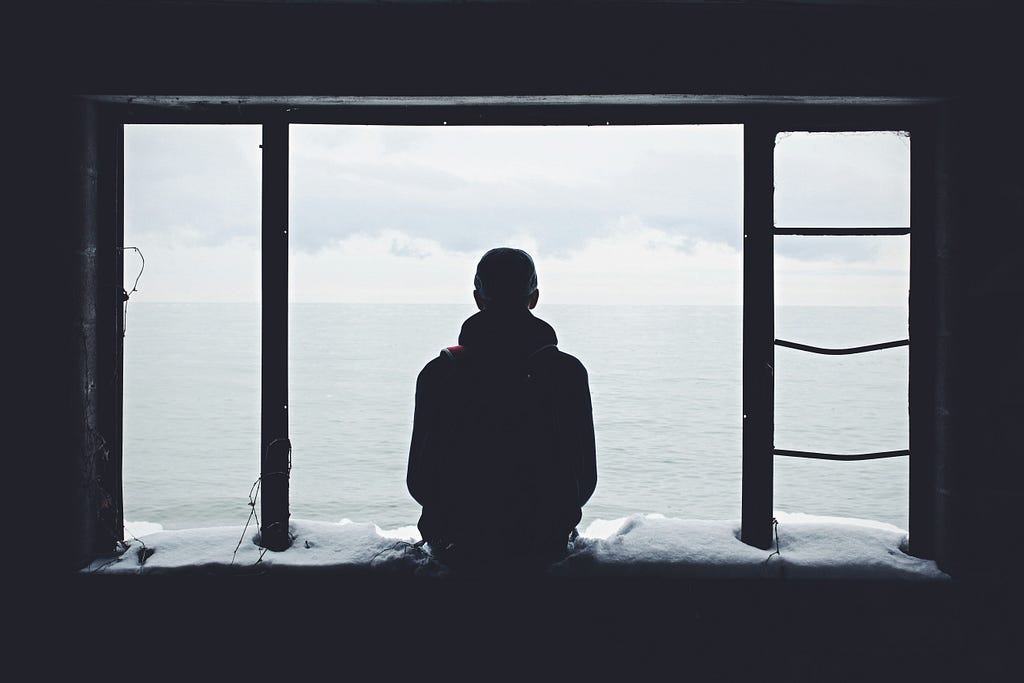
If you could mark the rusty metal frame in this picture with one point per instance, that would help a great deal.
(927, 284)
(758, 334)
(762, 118)
(275, 448)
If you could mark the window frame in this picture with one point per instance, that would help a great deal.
(761, 117)
(759, 340)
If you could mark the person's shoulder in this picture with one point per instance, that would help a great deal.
(436, 367)
(569, 363)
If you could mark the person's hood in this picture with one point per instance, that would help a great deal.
(515, 333)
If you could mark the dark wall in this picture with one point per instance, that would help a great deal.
(557, 47)
(969, 54)
(986, 479)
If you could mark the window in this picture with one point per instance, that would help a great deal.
(192, 331)
(636, 233)
(761, 127)
(868, 207)
(851, 406)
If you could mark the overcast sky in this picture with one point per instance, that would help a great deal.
(611, 214)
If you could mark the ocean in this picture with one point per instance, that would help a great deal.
(665, 383)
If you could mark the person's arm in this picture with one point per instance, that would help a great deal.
(421, 474)
(582, 430)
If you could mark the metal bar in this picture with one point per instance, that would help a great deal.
(116, 300)
(105, 326)
(841, 456)
(109, 337)
(274, 448)
(839, 231)
(817, 103)
(81, 466)
(842, 352)
(840, 114)
(758, 333)
(95, 495)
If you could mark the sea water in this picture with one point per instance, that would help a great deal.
(665, 383)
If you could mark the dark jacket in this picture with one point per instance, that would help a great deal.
(502, 457)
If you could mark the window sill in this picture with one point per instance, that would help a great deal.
(809, 548)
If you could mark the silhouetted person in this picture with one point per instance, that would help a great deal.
(502, 457)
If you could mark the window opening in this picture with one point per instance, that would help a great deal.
(192, 340)
(755, 167)
(842, 251)
(636, 234)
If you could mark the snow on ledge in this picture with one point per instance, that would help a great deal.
(809, 547)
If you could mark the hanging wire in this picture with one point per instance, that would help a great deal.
(135, 287)
(775, 528)
(254, 492)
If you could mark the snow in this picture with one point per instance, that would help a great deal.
(809, 547)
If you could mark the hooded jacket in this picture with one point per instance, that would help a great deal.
(502, 456)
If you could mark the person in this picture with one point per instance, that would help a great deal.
(503, 456)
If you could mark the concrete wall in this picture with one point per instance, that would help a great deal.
(969, 54)
(986, 480)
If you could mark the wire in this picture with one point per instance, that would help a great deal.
(254, 492)
(106, 564)
(252, 513)
(418, 546)
(775, 527)
(135, 287)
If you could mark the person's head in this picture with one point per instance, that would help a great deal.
(506, 279)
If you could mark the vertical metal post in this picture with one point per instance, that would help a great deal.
(84, 199)
(927, 284)
(274, 446)
(95, 495)
(110, 329)
(117, 297)
(758, 333)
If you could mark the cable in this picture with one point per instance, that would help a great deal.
(775, 527)
(254, 492)
(413, 546)
(135, 287)
(252, 512)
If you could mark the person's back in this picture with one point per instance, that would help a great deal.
(502, 457)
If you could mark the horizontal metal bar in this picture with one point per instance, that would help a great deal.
(847, 457)
(850, 232)
(824, 103)
(785, 113)
(842, 352)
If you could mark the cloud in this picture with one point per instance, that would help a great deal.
(818, 278)
(840, 180)
(634, 264)
(407, 247)
(469, 189)
(586, 200)
(201, 183)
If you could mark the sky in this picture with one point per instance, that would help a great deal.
(611, 214)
